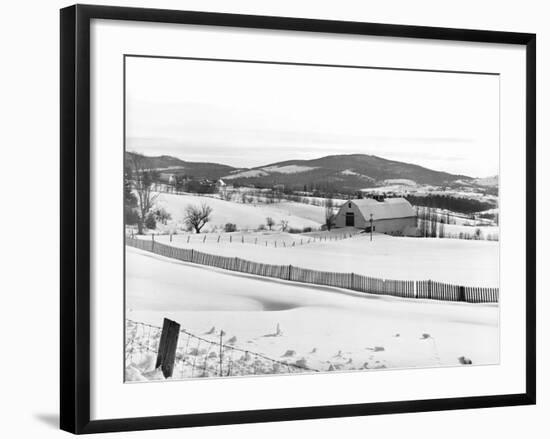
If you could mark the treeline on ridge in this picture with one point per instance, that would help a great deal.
(455, 204)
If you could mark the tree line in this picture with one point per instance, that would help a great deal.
(455, 204)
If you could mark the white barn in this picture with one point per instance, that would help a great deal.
(167, 178)
(394, 216)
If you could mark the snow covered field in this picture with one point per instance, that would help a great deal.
(485, 232)
(468, 263)
(402, 187)
(251, 216)
(321, 327)
(245, 216)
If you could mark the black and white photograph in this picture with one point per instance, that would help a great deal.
(287, 218)
(275, 219)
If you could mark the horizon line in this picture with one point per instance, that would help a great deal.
(307, 160)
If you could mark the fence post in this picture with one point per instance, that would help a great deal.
(153, 242)
(462, 294)
(429, 289)
(166, 356)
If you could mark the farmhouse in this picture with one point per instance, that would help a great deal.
(168, 178)
(394, 216)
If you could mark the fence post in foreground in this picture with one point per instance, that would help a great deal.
(153, 242)
(166, 356)
(289, 272)
(462, 294)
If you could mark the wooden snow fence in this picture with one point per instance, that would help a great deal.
(425, 289)
(340, 280)
(428, 289)
(481, 295)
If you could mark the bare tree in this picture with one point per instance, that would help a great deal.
(226, 195)
(130, 199)
(270, 222)
(329, 213)
(162, 215)
(441, 232)
(433, 224)
(197, 216)
(284, 225)
(142, 183)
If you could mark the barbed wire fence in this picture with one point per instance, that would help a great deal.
(188, 355)
(245, 237)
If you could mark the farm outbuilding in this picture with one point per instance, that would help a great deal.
(167, 178)
(394, 216)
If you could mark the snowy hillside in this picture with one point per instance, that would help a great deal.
(358, 331)
(469, 263)
(245, 216)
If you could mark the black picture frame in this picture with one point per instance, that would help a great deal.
(75, 216)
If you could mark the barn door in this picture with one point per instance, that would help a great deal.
(350, 219)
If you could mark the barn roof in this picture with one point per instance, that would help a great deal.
(389, 208)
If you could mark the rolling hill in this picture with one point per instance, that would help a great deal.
(340, 173)
(165, 163)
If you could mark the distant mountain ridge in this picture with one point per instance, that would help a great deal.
(340, 173)
(169, 164)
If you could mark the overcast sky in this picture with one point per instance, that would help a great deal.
(247, 115)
